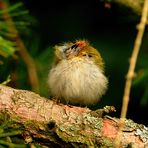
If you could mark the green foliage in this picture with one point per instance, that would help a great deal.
(6, 81)
(21, 19)
(11, 8)
(9, 133)
(7, 48)
(8, 58)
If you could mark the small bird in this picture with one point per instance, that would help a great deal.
(77, 76)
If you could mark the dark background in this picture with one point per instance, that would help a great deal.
(110, 28)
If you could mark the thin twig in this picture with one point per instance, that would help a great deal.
(130, 74)
(32, 72)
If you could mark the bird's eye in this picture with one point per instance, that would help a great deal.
(89, 55)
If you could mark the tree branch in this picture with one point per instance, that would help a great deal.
(65, 125)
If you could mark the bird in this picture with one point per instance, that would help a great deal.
(77, 76)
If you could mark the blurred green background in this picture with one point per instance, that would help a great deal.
(109, 26)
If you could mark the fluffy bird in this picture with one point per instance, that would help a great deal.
(77, 76)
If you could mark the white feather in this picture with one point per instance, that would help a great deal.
(78, 81)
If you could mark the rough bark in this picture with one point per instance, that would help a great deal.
(53, 123)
